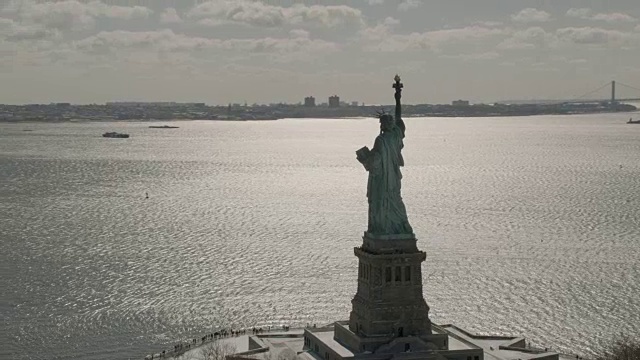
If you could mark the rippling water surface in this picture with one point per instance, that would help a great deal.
(531, 226)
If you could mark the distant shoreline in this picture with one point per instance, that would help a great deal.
(64, 112)
(442, 116)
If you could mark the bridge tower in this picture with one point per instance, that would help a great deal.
(613, 92)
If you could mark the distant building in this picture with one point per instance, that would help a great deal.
(334, 101)
(354, 103)
(460, 103)
(309, 101)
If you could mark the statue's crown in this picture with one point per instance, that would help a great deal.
(386, 119)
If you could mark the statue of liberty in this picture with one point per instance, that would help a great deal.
(387, 214)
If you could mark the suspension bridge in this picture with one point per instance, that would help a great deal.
(588, 97)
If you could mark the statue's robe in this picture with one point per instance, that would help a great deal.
(387, 213)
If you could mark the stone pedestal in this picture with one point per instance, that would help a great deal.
(388, 303)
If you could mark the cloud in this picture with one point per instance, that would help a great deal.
(459, 34)
(15, 32)
(433, 40)
(121, 12)
(582, 13)
(379, 32)
(245, 12)
(586, 14)
(590, 35)
(71, 14)
(299, 33)
(168, 41)
(391, 21)
(407, 5)
(5, 23)
(530, 38)
(614, 17)
(32, 33)
(375, 2)
(65, 15)
(490, 55)
(264, 15)
(489, 23)
(530, 15)
(170, 16)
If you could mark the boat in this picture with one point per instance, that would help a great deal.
(114, 134)
(163, 127)
(631, 121)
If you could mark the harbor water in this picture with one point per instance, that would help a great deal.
(531, 227)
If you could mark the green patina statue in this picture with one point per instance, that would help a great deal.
(387, 214)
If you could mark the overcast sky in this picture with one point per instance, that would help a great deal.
(280, 51)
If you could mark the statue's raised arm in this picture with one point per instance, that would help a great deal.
(398, 120)
(387, 214)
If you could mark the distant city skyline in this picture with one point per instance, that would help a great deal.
(225, 51)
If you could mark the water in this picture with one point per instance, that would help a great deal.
(531, 227)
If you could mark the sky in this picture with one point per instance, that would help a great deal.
(272, 51)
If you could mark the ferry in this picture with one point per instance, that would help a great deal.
(163, 127)
(114, 134)
(631, 121)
